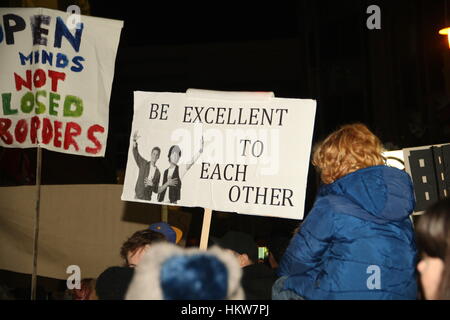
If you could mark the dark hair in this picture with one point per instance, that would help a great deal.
(170, 151)
(158, 149)
(140, 239)
(433, 239)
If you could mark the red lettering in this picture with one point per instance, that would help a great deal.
(69, 134)
(21, 82)
(58, 135)
(90, 134)
(35, 124)
(21, 130)
(39, 78)
(5, 124)
(55, 76)
(47, 131)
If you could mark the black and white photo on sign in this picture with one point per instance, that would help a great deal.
(154, 184)
(170, 190)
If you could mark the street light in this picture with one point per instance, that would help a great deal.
(446, 32)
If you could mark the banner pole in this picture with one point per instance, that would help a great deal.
(205, 229)
(165, 214)
(36, 222)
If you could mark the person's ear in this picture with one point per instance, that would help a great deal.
(244, 260)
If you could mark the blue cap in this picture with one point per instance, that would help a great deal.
(172, 234)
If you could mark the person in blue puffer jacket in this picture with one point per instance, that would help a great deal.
(357, 242)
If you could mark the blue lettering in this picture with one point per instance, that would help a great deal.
(77, 61)
(61, 60)
(24, 59)
(62, 30)
(38, 31)
(19, 25)
(47, 57)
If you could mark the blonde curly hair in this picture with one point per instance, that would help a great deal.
(346, 150)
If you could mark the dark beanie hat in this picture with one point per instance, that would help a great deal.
(112, 284)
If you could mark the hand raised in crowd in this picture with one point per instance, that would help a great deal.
(135, 137)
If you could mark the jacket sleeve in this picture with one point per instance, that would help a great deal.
(308, 246)
(137, 156)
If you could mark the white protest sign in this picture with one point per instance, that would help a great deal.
(55, 80)
(238, 152)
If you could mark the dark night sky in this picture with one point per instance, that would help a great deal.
(180, 23)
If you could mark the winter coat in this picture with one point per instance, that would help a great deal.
(358, 240)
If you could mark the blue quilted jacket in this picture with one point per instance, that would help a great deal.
(358, 241)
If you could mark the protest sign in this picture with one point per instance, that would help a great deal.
(238, 152)
(55, 80)
(56, 72)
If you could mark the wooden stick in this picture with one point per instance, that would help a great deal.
(165, 214)
(205, 229)
(36, 223)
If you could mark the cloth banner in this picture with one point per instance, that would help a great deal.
(56, 72)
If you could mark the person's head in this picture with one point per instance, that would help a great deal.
(112, 284)
(174, 154)
(155, 154)
(171, 233)
(346, 150)
(135, 246)
(433, 239)
(169, 272)
(86, 291)
(241, 244)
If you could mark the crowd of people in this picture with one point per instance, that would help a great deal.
(359, 241)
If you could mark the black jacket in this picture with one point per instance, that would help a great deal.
(174, 191)
(257, 281)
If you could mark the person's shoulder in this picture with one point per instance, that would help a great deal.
(260, 269)
(331, 204)
(326, 206)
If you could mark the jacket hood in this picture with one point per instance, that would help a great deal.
(381, 194)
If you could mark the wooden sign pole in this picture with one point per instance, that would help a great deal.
(165, 214)
(36, 223)
(205, 229)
